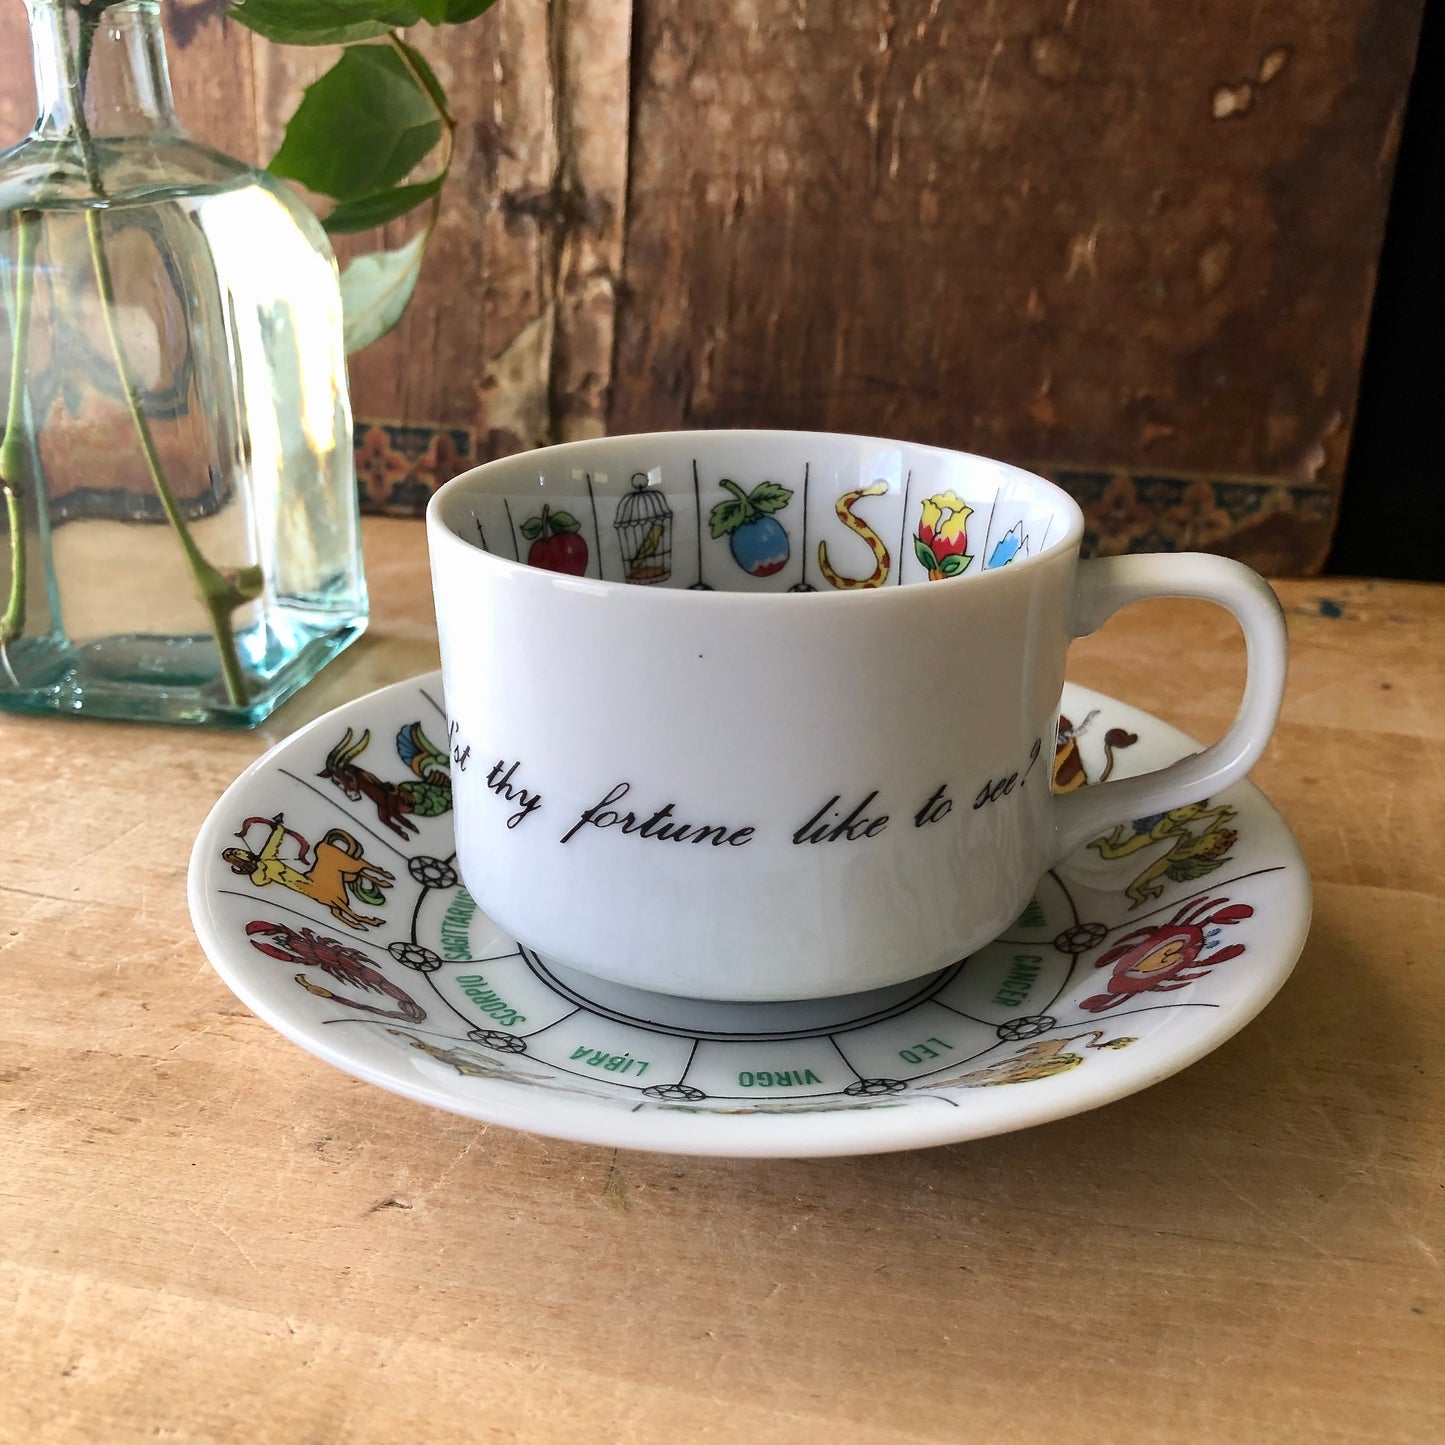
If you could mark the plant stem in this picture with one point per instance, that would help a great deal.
(437, 96)
(425, 82)
(12, 452)
(218, 595)
(749, 511)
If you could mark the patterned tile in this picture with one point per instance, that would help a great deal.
(399, 467)
(1272, 523)
(1146, 512)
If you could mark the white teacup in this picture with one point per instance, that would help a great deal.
(771, 714)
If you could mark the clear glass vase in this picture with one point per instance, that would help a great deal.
(180, 538)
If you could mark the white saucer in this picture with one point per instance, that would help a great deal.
(1093, 995)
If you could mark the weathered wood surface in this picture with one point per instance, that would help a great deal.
(510, 335)
(207, 1235)
(1129, 243)
(1122, 237)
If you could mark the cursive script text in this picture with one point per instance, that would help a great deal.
(660, 826)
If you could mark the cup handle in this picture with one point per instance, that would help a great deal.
(1107, 583)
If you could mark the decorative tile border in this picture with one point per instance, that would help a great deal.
(1145, 512)
(399, 467)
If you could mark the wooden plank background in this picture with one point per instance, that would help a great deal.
(1130, 244)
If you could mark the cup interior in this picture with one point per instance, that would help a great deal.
(756, 511)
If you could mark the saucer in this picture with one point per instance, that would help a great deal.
(324, 890)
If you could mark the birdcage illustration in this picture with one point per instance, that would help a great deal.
(644, 532)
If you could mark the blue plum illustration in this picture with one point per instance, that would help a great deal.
(760, 547)
(758, 541)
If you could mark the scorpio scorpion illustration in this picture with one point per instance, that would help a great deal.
(337, 960)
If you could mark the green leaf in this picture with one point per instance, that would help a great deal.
(769, 497)
(726, 518)
(565, 522)
(429, 80)
(458, 12)
(924, 553)
(385, 206)
(323, 22)
(359, 129)
(954, 563)
(375, 289)
(451, 12)
(532, 528)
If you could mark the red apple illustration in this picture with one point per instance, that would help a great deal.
(557, 543)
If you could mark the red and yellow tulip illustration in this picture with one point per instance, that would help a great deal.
(941, 542)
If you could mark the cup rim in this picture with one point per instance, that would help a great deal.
(438, 529)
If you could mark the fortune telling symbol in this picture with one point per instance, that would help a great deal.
(556, 543)
(337, 873)
(1038, 1059)
(1191, 854)
(338, 961)
(1167, 956)
(1012, 544)
(429, 796)
(758, 542)
(941, 542)
(644, 533)
(1069, 771)
(855, 524)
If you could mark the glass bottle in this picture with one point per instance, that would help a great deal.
(180, 538)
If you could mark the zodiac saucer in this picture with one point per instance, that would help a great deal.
(324, 890)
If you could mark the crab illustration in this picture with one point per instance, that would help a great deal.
(1168, 956)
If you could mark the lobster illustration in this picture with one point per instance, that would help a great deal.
(337, 960)
(428, 795)
(881, 560)
(1168, 956)
(338, 871)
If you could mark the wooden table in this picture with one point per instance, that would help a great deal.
(208, 1235)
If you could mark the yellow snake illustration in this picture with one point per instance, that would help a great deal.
(859, 528)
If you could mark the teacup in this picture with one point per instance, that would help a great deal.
(765, 715)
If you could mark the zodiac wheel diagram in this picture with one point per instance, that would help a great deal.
(1047, 997)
